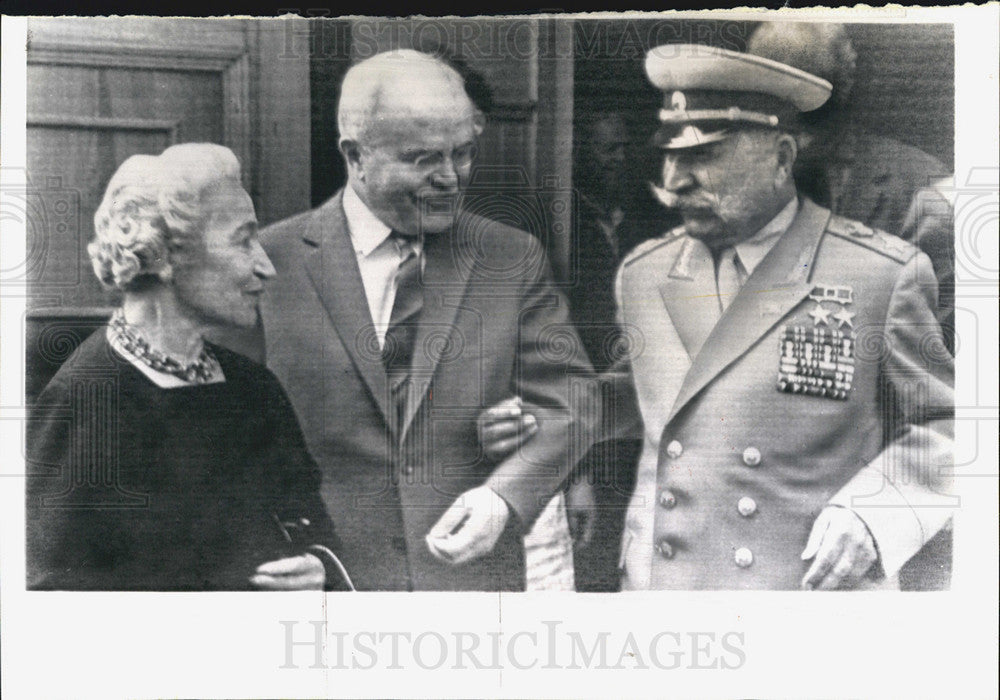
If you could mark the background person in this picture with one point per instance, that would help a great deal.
(610, 220)
(880, 181)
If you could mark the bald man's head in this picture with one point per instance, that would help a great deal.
(402, 83)
(408, 132)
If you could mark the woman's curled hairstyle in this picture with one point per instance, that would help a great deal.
(151, 211)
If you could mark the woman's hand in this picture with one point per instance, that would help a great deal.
(301, 573)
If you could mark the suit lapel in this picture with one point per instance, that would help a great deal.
(333, 269)
(444, 280)
(690, 295)
(777, 285)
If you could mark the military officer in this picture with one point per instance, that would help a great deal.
(794, 390)
(874, 179)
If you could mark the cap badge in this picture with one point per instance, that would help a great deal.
(678, 101)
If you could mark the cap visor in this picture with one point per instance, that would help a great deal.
(668, 138)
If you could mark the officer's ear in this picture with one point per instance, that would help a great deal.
(786, 150)
(351, 151)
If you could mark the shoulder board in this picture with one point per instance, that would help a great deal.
(881, 242)
(647, 247)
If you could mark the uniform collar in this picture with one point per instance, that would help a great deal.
(367, 230)
(754, 249)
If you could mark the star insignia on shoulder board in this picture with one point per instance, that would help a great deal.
(844, 318)
(820, 315)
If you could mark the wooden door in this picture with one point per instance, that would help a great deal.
(100, 90)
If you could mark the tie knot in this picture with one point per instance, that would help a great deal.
(401, 237)
(405, 243)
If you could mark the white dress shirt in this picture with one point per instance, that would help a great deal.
(751, 251)
(734, 265)
(548, 545)
(378, 256)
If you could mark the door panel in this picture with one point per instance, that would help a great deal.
(102, 89)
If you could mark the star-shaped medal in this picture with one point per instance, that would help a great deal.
(844, 317)
(820, 315)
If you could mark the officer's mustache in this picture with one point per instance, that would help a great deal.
(664, 197)
(675, 201)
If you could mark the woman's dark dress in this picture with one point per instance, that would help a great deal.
(136, 487)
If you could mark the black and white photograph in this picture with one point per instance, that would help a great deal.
(559, 353)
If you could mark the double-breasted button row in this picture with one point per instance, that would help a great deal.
(743, 557)
(667, 499)
(674, 449)
(751, 457)
(746, 506)
(664, 547)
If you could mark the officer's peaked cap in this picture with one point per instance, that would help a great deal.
(709, 91)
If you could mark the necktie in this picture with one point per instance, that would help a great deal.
(397, 350)
(728, 279)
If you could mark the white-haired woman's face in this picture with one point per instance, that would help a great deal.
(221, 280)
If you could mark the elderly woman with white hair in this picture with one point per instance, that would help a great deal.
(201, 442)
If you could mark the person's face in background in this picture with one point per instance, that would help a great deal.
(603, 158)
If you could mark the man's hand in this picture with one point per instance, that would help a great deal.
(581, 511)
(843, 549)
(470, 527)
(301, 573)
(504, 428)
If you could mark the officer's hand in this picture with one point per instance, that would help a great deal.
(470, 527)
(304, 572)
(581, 511)
(843, 548)
(504, 428)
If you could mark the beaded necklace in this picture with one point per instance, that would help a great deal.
(200, 371)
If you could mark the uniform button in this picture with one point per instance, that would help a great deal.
(667, 498)
(751, 456)
(746, 506)
(743, 557)
(665, 549)
(674, 449)
(407, 469)
(305, 522)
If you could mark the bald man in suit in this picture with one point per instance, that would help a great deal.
(395, 318)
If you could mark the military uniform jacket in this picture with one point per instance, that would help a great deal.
(756, 420)
(492, 326)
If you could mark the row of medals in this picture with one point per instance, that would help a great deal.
(819, 360)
